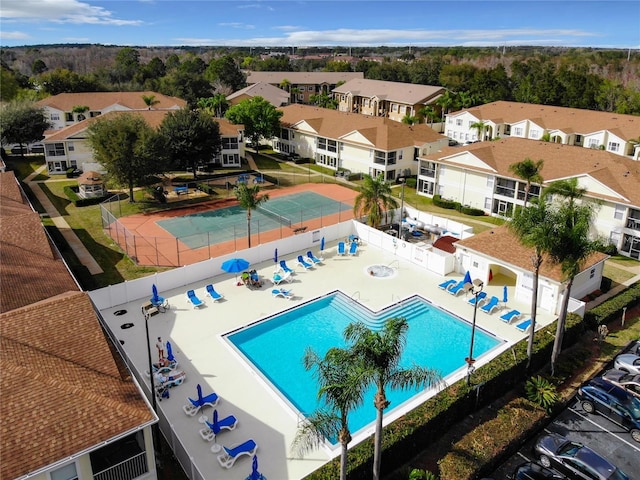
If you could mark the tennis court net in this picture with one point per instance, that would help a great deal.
(277, 217)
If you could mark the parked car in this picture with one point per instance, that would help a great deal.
(635, 348)
(534, 471)
(613, 402)
(628, 381)
(628, 362)
(574, 459)
(36, 148)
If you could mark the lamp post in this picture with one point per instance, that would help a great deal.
(402, 203)
(155, 429)
(475, 288)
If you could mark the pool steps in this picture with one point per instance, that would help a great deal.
(356, 312)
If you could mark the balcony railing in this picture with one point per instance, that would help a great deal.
(633, 223)
(428, 172)
(127, 470)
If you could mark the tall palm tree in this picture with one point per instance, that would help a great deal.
(480, 126)
(529, 171)
(568, 190)
(249, 199)
(446, 101)
(342, 389)
(285, 85)
(534, 226)
(374, 200)
(409, 119)
(150, 101)
(428, 113)
(380, 353)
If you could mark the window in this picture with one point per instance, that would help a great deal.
(94, 114)
(619, 212)
(54, 149)
(394, 108)
(458, 122)
(229, 143)
(55, 116)
(68, 116)
(487, 203)
(593, 143)
(403, 109)
(71, 147)
(517, 131)
(613, 147)
(592, 273)
(534, 134)
(578, 138)
(68, 472)
(400, 155)
(507, 129)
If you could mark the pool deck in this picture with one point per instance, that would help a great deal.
(196, 338)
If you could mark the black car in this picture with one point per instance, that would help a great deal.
(575, 460)
(612, 402)
(534, 471)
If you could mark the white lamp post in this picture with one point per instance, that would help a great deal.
(475, 288)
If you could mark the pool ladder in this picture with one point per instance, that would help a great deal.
(353, 297)
(397, 264)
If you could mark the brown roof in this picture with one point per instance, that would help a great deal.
(304, 78)
(30, 269)
(558, 118)
(445, 243)
(407, 93)
(500, 243)
(385, 134)
(619, 173)
(63, 389)
(98, 101)
(274, 95)
(90, 178)
(228, 129)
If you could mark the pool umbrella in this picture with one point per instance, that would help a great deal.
(255, 474)
(467, 277)
(275, 256)
(322, 244)
(170, 356)
(215, 417)
(505, 296)
(199, 388)
(235, 265)
(155, 298)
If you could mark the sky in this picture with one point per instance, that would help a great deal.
(268, 23)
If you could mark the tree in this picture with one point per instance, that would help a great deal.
(534, 227)
(480, 127)
(446, 101)
(285, 84)
(123, 144)
(428, 113)
(410, 120)
(374, 199)
(22, 123)
(215, 106)
(323, 100)
(570, 244)
(529, 171)
(127, 64)
(249, 199)
(259, 117)
(379, 353)
(150, 101)
(189, 138)
(186, 85)
(342, 389)
(38, 67)
(226, 70)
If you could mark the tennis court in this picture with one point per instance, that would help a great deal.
(215, 226)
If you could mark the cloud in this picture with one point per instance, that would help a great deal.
(286, 28)
(60, 11)
(244, 26)
(4, 35)
(255, 6)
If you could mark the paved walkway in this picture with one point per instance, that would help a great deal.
(58, 220)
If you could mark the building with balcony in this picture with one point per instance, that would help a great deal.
(478, 176)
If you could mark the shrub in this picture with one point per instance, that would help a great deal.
(72, 194)
(417, 474)
(474, 212)
(203, 187)
(605, 284)
(412, 182)
(541, 392)
(611, 309)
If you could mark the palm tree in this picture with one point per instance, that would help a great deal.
(410, 120)
(446, 101)
(80, 110)
(534, 227)
(480, 126)
(529, 171)
(285, 85)
(342, 389)
(249, 199)
(150, 101)
(294, 94)
(379, 353)
(374, 199)
(428, 113)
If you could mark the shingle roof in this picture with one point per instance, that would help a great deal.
(274, 95)
(385, 134)
(30, 270)
(304, 78)
(501, 244)
(407, 93)
(63, 390)
(558, 118)
(101, 100)
(619, 173)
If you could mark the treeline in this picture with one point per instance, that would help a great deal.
(605, 80)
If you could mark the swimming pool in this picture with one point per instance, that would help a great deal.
(214, 226)
(275, 346)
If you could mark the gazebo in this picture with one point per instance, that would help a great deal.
(91, 185)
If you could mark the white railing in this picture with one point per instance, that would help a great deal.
(128, 470)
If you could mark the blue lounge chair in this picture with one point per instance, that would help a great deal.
(447, 284)
(491, 305)
(211, 292)
(194, 406)
(524, 326)
(457, 288)
(284, 267)
(214, 428)
(482, 296)
(230, 455)
(353, 248)
(511, 316)
(313, 258)
(281, 292)
(193, 299)
(341, 248)
(304, 264)
(278, 278)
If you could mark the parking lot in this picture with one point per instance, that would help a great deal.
(595, 431)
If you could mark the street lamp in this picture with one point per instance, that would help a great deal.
(156, 432)
(474, 288)
(402, 203)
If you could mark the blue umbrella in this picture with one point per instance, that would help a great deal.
(235, 265)
(275, 256)
(199, 388)
(255, 474)
(505, 297)
(170, 356)
(155, 298)
(322, 244)
(215, 417)
(467, 277)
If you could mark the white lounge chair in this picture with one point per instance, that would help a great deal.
(278, 278)
(511, 316)
(211, 292)
(193, 299)
(230, 455)
(281, 292)
(214, 428)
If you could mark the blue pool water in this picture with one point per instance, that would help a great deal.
(276, 346)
